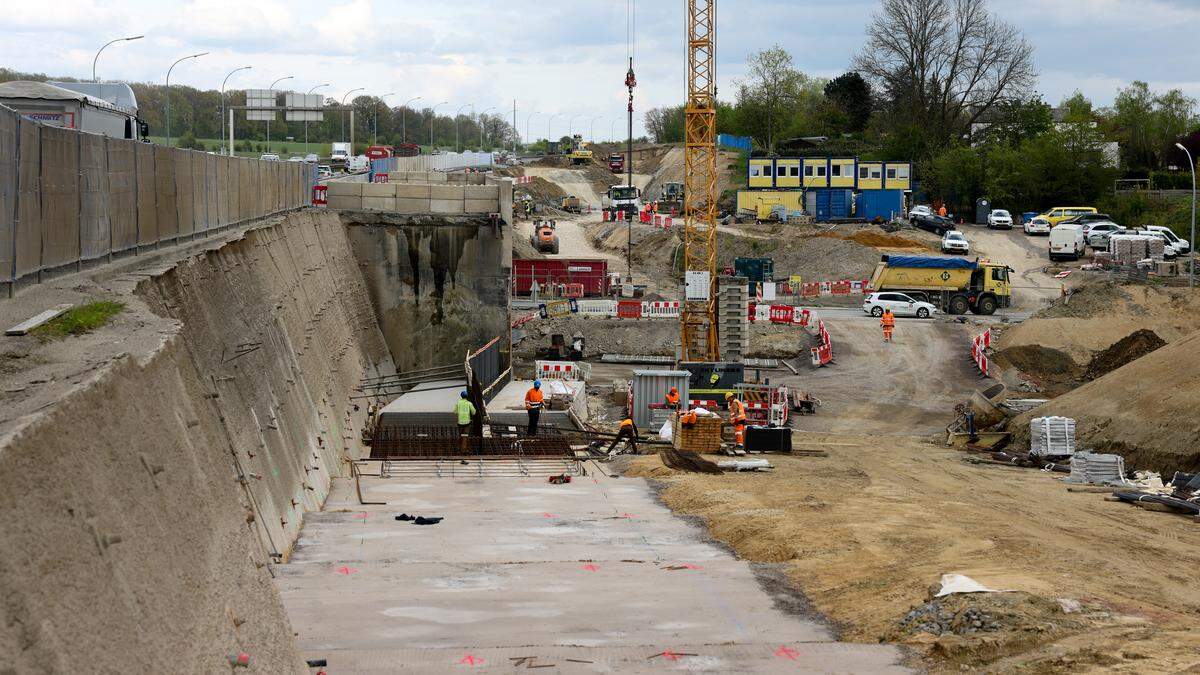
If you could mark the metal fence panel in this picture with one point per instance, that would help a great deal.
(28, 230)
(95, 236)
(60, 197)
(164, 186)
(184, 200)
(122, 207)
(147, 194)
(211, 190)
(8, 195)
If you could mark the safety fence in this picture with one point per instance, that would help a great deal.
(659, 309)
(556, 370)
(822, 354)
(447, 161)
(816, 289)
(979, 346)
(68, 197)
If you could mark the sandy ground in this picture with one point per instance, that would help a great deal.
(868, 529)
(1033, 286)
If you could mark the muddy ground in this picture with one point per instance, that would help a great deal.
(868, 530)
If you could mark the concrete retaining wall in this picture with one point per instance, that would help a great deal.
(459, 178)
(130, 542)
(415, 198)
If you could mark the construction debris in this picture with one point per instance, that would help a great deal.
(685, 460)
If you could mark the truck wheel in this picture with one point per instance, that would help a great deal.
(959, 305)
(987, 305)
(876, 311)
(555, 249)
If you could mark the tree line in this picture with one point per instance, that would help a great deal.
(196, 114)
(951, 86)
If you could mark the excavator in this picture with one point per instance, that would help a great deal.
(545, 236)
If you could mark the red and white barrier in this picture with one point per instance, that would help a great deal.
(629, 309)
(822, 354)
(381, 178)
(601, 308)
(556, 370)
(521, 321)
(661, 310)
(523, 180)
(320, 193)
(813, 289)
(979, 347)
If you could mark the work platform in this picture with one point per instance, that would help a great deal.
(592, 576)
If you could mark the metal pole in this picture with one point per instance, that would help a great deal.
(124, 39)
(403, 127)
(528, 136)
(481, 122)
(310, 91)
(272, 90)
(375, 133)
(457, 115)
(1192, 241)
(432, 121)
(548, 123)
(168, 91)
(592, 128)
(571, 127)
(344, 118)
(230, 150)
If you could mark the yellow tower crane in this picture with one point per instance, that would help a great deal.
(698, 329)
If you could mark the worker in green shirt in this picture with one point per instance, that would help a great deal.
(464, 410)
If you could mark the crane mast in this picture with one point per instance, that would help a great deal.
(698, 330)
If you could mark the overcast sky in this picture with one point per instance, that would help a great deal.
(564, 56)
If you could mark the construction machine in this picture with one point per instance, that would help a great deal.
(616, 163)
(545, 236)
(580, 154)
(571, 204)
(671, 197)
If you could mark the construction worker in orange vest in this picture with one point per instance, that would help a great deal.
(888, 321)
(688, 419)
(628, 432)
(672, 399)
(737, 417)
(533, 405)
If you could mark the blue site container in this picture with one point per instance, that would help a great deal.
(733, 142)
(885, 204)
(832, 204)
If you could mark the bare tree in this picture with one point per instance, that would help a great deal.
(945, 63)
(773, 91)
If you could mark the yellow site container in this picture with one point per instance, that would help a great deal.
(760, 202)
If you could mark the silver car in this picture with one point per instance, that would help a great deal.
(1097, 234)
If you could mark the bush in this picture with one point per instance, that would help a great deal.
(1171, 180)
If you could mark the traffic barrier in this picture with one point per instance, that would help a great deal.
(826, 287)
(320, 195)
(524, 180)
(558, 308)
(802, 317)
(979, 347)
(521, 321)
(573, 291)
(782, 314)
(644, 217)
(661, 310)
(607, 216)
(380, 178)
(629, 309)
(604, 308)
(822, 354)
(840, 288)
(556, 370)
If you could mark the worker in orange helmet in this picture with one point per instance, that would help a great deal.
(628, 432)
(888, 321)
(942, 211)
(671, 402)
(533, 405)
(737, 417)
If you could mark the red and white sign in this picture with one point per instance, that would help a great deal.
(661, 310)
(629, 309)
(979, 347)
(381, 178)
(319, 195)
(556, 370)
(524, 180)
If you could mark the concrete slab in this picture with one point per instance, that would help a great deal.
(379, 203)
(446, 206)
(592, 576)
(344, 189)
(481, 206)
(350, 202)
(379, 190)
(447, 192)
(412, 205)
(406, 191)
(482, 192)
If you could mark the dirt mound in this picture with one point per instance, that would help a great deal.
(542, 191)
(1054, 371)
(1144, 411)
(1132, 347)
(1087, 301)
(884, 240)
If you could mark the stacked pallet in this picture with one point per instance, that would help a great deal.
(1095, 469)
(704, 436)
(1129, 249)
(734, 317)
(1051, 437)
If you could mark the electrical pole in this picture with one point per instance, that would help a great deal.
(630, 82)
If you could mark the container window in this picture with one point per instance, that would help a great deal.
(875, 173)
(768, 171)
(755, 171)
(820, 172)
(891, 173)
(902, 172)
(808, 170)
(837, 170)
(796, 171)
(863, 172)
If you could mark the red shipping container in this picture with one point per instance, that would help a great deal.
(591, 274)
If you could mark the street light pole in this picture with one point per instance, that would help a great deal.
(272, 90)
(457, 115)
(528, 137)
(403, 127)
(375, 132)
(344, 117)
(168, 92)
(223, 138)
(124, 39)
(481, 126)
(571, 127)
(548, 123)
(432, 120)
(1192, 241)
(310, 91)
(592, 128)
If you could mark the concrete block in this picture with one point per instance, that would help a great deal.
(481, 206)
(481, 192)
(378, 190)
(447, 192)
(447, 206)
(343, 189)
(412, 205)
(379, 203)
(412, 191)
(437, 177)
(350, 203)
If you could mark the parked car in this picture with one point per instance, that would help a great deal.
(1089, 218)
(324, 171)
(1097, 234)
(312, 158)
(1170, 250)
(1066, 241)
(295, 158)
(1037, 225)
(899, 303)
(1059, 214)
(920, 211)
(1000, 219)
(933, 223)
(955, 242)
(1181, 245)
(269, 157)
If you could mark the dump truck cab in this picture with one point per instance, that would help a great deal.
(627, 198)
(954, 285)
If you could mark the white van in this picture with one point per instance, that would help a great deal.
(1066, 241)
(1181, 245)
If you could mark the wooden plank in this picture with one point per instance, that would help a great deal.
(24, 327)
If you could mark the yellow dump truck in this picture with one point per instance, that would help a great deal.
(955, 285)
